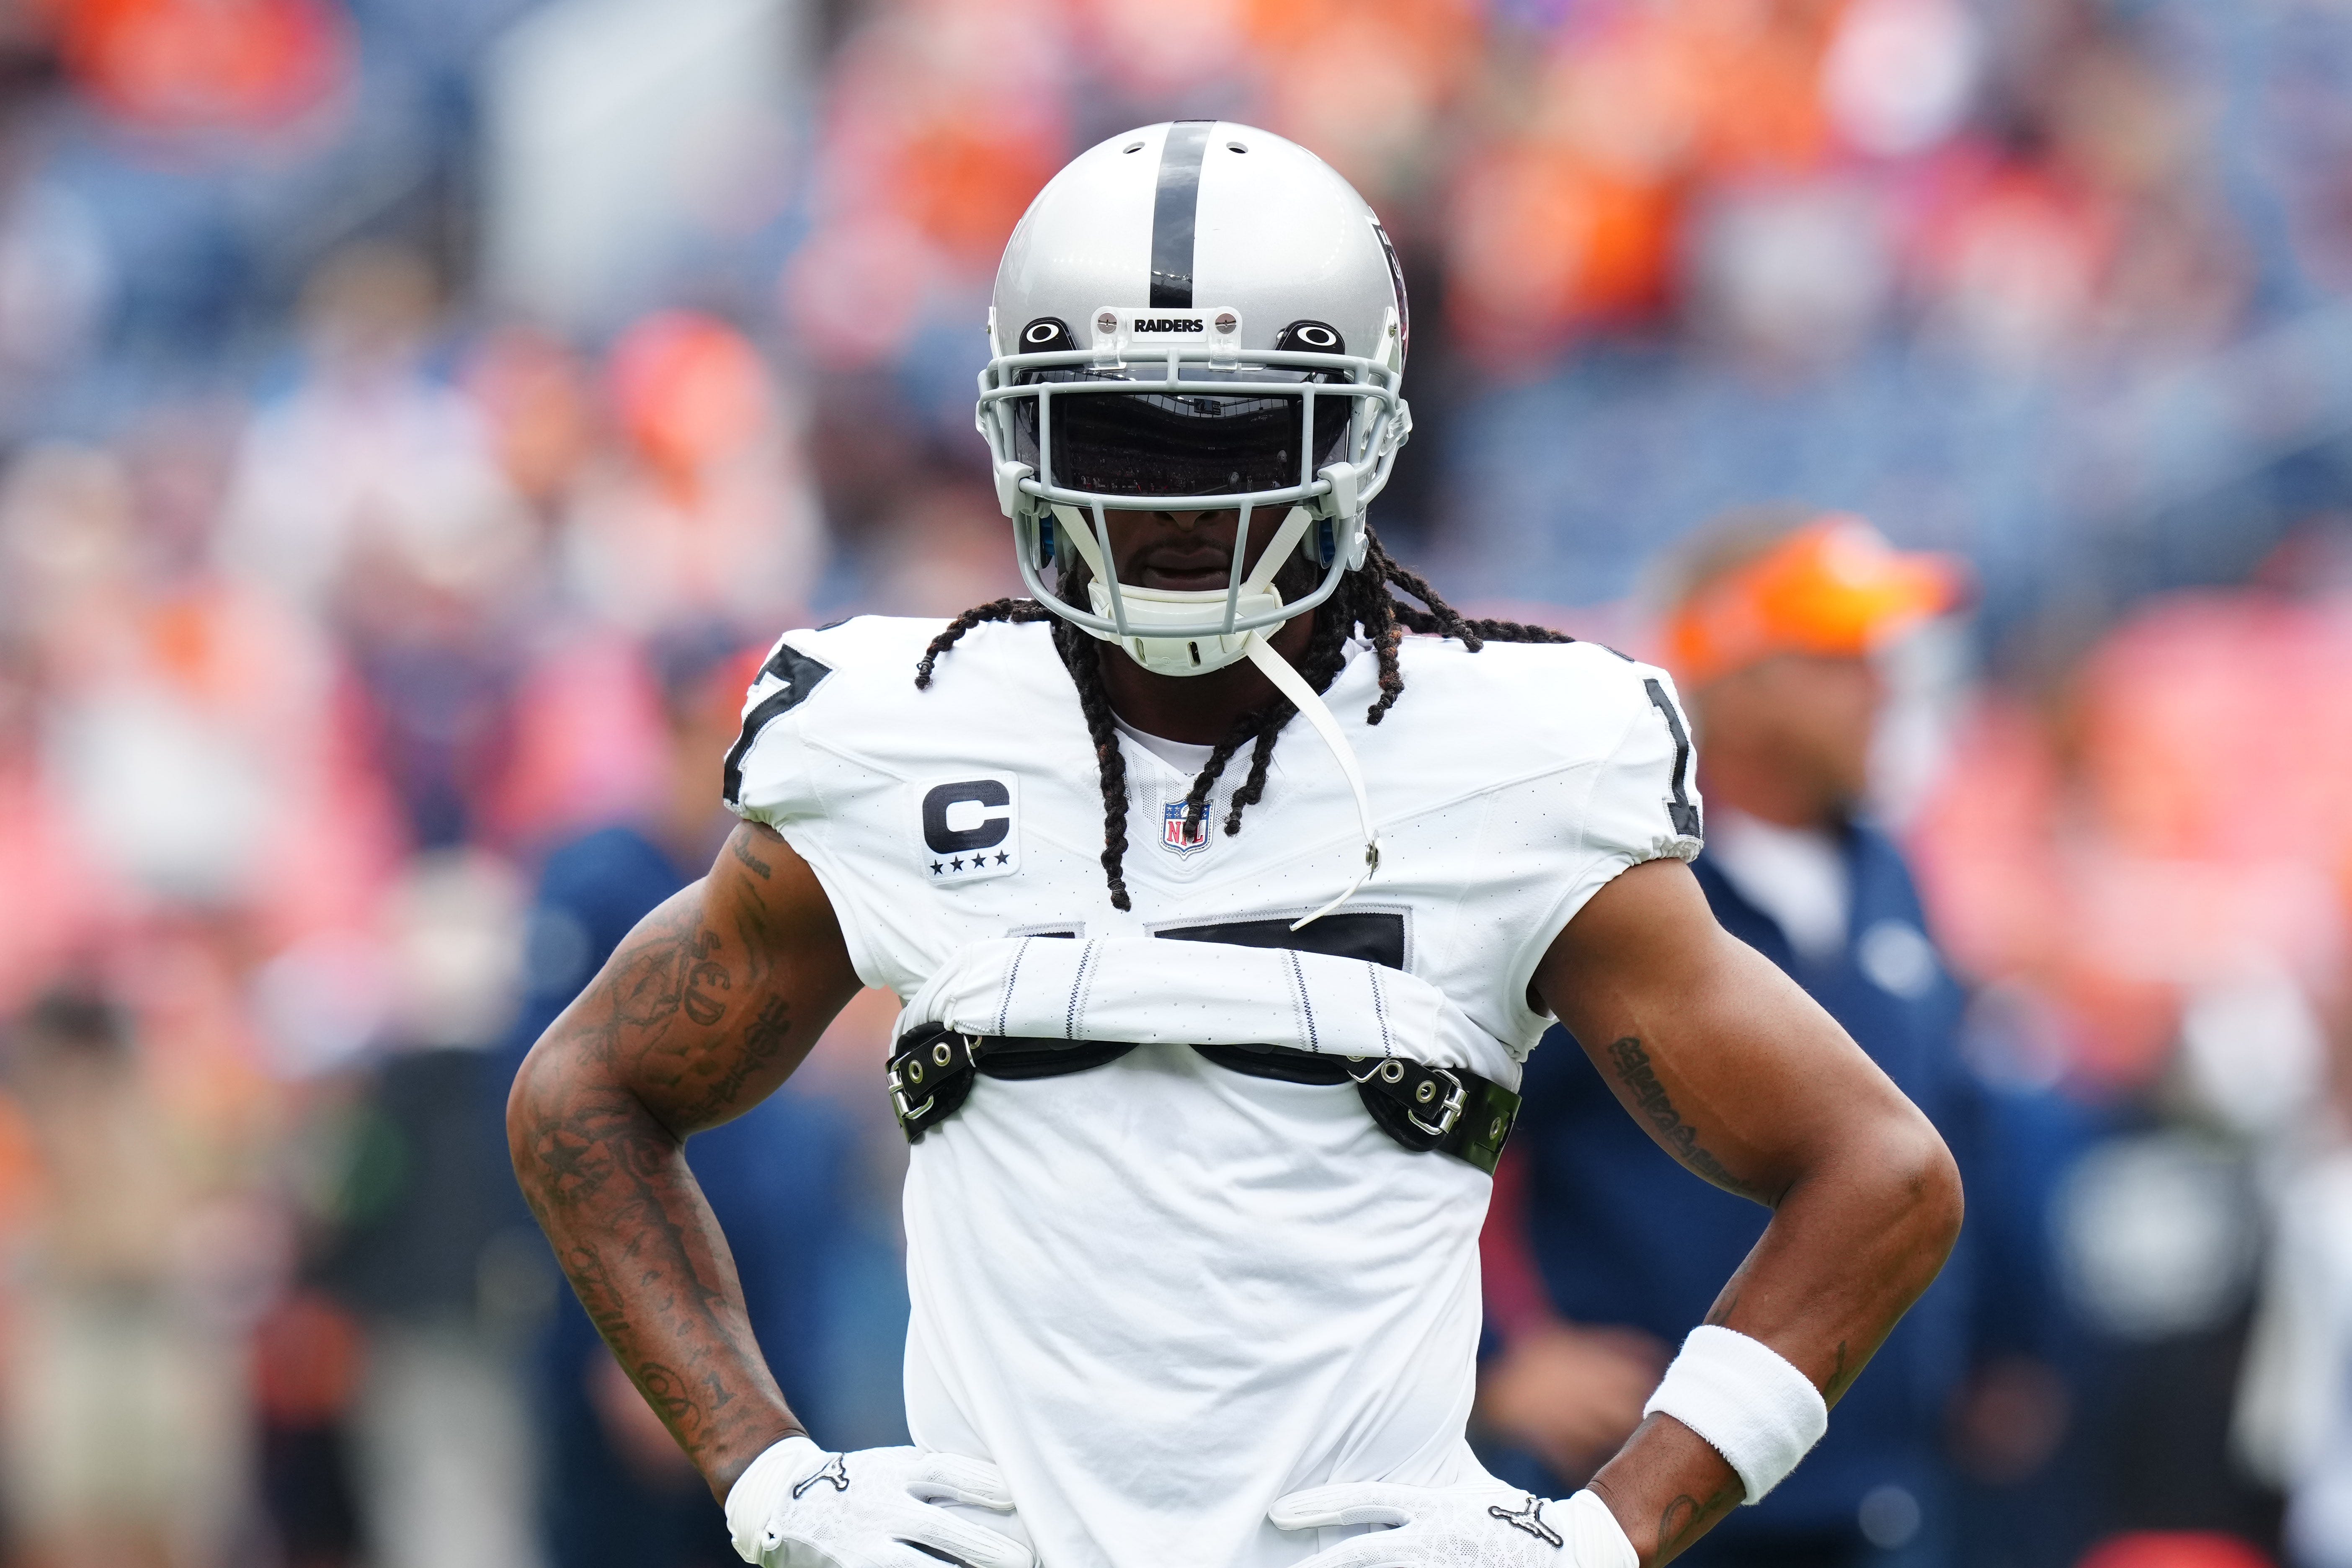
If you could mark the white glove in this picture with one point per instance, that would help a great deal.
(800, 1507)
(1463, 1527)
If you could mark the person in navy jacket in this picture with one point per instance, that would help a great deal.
(1601, 1253)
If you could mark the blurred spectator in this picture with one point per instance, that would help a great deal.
(370, 465)
(702, 513)
(308, 1356)
(245, 65)
(948, 549)
(58, 907)
(533, 390)
(424, 1255)
(2175, 1549)
(373, 496)
(150, 669)
(2295, 1410)
(124, 1398)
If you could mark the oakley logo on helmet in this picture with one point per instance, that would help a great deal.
(1047, 334)
(1312, 336)
(968, 829)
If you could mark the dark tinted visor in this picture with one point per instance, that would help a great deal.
(1187, 444)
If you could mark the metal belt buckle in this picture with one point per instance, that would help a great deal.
(913, 1065)
(908, 1114)
(1449, 1113)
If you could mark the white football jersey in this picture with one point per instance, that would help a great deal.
(1158, 1293)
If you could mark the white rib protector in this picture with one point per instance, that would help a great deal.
(1755, 1409)
(1153, 990)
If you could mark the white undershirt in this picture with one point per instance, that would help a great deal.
(1795, 875)
(1182, 755)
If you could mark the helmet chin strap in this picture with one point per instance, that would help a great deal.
(1198, 656)
(1142, 609)
(1309, 702)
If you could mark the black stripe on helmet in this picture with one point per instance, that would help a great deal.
(1172, 212)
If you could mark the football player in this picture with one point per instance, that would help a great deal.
(1206, 1075)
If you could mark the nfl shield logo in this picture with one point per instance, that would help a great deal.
(1172, 834)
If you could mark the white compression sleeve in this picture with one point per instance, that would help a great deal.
(1751, 1405)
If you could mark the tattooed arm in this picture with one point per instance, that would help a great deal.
(1741, 1076)
(706, 1007)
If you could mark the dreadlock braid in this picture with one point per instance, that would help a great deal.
(1196, 804)
(1078, 652)
(1363, 602)
(1253, 789)
(1013, 610)
(1514, 631)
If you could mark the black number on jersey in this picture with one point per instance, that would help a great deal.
(801, 675)
(1375, 938)
(1681, 809)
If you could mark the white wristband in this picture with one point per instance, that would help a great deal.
(1755, 1409)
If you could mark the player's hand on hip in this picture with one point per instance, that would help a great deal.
(1457, 1527)
(800, 1507)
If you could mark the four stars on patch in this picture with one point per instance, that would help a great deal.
(978, 860)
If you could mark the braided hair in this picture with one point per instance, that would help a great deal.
(1363, 602)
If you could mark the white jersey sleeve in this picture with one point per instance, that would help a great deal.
(1629, 795)
(1644, 802)
(766, 777)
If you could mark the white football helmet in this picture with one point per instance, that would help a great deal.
(1197, 315)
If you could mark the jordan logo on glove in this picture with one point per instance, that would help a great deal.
(1530, 1519)
(836, 1471)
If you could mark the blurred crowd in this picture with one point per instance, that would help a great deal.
(413, 412)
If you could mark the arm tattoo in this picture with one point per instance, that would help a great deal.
(764, 1037)
(741, 845)
(1687, 1517)
(1640, 1079)
(703, 979)
(655, 1047)
(1726, 1301)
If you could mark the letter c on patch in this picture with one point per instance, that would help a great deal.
(995, 822)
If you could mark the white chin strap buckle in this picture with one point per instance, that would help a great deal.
(1179, 656)
(1162, 629)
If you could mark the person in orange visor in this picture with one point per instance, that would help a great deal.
(1772, 617)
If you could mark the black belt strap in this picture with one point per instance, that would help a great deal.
(1429, 1110)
